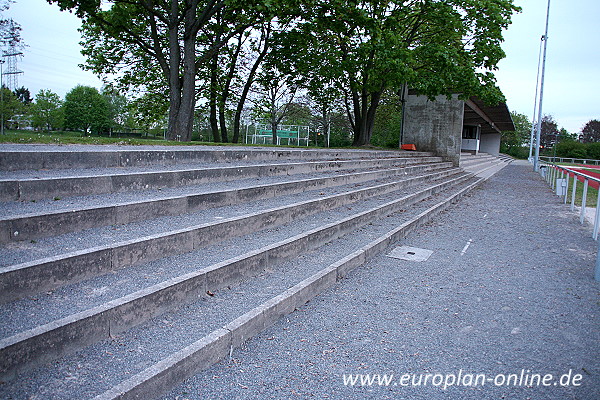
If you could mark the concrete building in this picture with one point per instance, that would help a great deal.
(451, 126)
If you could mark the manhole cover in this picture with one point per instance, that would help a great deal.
(410, 253)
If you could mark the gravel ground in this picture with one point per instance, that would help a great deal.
(87, 172)
(520, 296)
(42, 308)
(24, 251)
(11, 208)
(105, 364)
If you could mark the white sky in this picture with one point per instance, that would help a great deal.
(571, 93)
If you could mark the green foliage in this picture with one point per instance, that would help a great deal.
(86, 110)
(437, 47)
(23, 95)
(10, 105)
(512, 142)
(591, 132)
(518, 152)
(571, 149)
(388, 122)
(47, 112)
(148, 112)
(593, 150)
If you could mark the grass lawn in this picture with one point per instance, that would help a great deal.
(78, 138)
(592, 194)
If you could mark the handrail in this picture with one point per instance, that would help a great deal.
(552, 177)
(564, 173)
(573, 160)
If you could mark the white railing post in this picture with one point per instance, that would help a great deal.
(596, 219)
(583, 199)
(573, 192)
(567, 186)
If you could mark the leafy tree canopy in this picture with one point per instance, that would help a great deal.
(86, 110)
(590, 133)
(46, 111)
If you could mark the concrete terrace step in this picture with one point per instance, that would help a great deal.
(123, 290)
(242, 309)
(31, 275)
(47, 186)
(20, 224)
(23, 157)
(486, 165)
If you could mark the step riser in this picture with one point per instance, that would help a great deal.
(12, 161)
(37, 189)
(161, 377)
(72, 333)
(39, 226)
(47, 274)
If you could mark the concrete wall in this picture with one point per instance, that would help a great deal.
(470, 145)
(435, 125)
(490, 143)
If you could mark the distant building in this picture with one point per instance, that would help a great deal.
(449, 127)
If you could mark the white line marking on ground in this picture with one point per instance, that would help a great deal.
(464, 250)
(484, 215)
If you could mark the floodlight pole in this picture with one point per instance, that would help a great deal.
(536, 161)
(537, 86)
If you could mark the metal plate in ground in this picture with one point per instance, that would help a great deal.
(410, 253)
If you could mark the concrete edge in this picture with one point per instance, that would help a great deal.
(38, 189)
(57, 271)
(26, 349)
(11, 160)
(209, 350)
(35, 226)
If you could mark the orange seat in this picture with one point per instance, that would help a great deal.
(409, 147)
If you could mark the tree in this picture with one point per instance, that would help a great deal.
(47, 112)
(549, 132)
(436, 47)
(86, 110)
(160, 43)
(277, 93)
(23, 95)
(149, 111)
(10, 106)
(511, 141)
(117, 108)
(590, 133)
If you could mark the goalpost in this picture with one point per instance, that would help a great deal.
(288, 134)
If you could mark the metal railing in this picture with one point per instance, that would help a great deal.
(557, 177)
(570, 160)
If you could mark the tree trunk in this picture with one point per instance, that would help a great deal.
(364, 118)
(240, 107)
(222, 122)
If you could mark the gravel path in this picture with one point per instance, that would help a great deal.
(106, 363)
(509, 287)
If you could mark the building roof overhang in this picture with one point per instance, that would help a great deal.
(492, 119)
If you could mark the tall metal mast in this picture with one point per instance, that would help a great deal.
(536, 161)
(535, 103)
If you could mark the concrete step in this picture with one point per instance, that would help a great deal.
(27, 221)
(171, 346)
(124, 294)
(475, 159)
(58, 184)
(486, 167)
(41, 266)
(36, 157)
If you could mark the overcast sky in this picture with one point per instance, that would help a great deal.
(571, 94)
